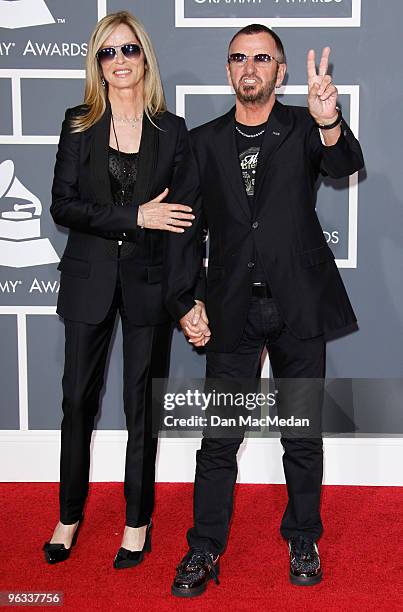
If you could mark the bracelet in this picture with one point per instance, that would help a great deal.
(142, 225)
(330, 126)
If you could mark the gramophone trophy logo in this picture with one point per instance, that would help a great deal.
(24, 13)
(21, 244)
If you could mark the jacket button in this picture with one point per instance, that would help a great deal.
(255, 225)
(250, 264)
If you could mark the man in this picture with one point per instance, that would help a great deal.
(272, 281)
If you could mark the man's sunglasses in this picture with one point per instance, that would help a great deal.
(259, 58)
(131, 51)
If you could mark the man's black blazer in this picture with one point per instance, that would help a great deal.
(82, 201)
(283, 228)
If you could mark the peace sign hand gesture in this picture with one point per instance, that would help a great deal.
(322, 94)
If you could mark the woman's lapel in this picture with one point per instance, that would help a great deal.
(147, 161)
(100, 183)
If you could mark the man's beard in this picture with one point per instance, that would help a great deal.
(259, 95)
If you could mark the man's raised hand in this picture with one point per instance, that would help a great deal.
(322, 94)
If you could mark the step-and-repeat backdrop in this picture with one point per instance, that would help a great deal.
(43, 45)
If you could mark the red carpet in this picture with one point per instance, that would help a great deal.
(361, 551)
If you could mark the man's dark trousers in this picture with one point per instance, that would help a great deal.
(216, 465)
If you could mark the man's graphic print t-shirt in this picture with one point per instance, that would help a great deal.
(248, 153)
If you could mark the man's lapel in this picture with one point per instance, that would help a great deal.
(147, 159)
(278, 127)
(227, 153)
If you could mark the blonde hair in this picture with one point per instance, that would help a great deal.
(95, 96)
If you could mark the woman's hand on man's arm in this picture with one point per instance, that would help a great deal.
(161, 215)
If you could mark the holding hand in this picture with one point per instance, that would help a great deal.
(322, 94)
(160, 215)
(195, 325)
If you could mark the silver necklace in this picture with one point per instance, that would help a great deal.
(249, 135)
(133, 121)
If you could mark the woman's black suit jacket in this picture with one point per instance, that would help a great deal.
(153, 278)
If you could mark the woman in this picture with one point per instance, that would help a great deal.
(117, 154)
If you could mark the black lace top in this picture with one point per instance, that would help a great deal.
(122, 173)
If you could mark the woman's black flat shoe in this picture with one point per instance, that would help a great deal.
(129, 558)
(55, 553)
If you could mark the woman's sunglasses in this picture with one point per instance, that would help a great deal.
(131, 51)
